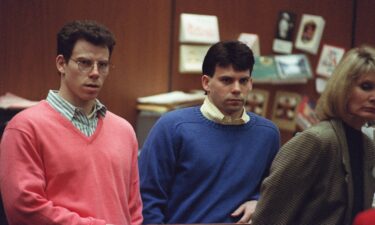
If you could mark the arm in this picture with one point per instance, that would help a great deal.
(22, 184)
(156, 167)
(247, 209)
(292, 175)
(135, 202)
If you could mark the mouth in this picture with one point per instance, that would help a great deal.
(235, 101)
(370, 109)
(92, 87)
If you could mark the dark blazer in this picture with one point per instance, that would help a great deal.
(310, 180)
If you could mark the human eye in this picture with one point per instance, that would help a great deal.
(103, 64)
(85, 62)
(366, 86)
(244, 80)
(226, 80)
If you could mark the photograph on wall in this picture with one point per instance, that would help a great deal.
(310, 33)
(284, 33)
(285, 110)
(257, 102)
(191, 58)
(329, 58)
(251, 40)
(196, 28)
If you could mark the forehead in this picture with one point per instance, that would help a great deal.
(229, 71)
(369, 76)
(83, 48)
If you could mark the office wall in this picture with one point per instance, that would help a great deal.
(141, 55)
(146, 54)
(364, 21)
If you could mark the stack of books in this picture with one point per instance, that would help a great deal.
(165, 102)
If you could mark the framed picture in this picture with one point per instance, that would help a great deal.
(251, 40)
(196, 28)
(329, 58)
(285, 110)
(293, 68)
(284, 32)
(310, 33)
(191, 58)
(257, 102)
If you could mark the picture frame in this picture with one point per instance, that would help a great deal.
(191, 58)
(294, 68)
(329, 58)
(284, 110)
(197, 28)
(310, 33)
(251, 40)
(285, 27)
(257, 102)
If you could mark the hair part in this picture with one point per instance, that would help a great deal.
(228, 53)
(87, 30)
(333, 101)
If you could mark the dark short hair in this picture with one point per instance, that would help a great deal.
(87, 30)
(226, 53)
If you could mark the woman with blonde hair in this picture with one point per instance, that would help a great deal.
(324, 175)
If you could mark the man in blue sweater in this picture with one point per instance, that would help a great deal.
(205, 164)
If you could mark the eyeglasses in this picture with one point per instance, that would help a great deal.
(87, 65)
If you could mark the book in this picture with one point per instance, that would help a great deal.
(306, 116)
(294, 68)
(329, 58)
(251, 40)
(264, 70)
(310, 33)
(169, 101)
(284, 32)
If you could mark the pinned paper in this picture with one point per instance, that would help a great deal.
(196, 28)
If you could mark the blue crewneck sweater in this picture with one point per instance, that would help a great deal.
(193, 170)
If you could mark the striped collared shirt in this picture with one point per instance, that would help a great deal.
(211, 112)
(86, 124)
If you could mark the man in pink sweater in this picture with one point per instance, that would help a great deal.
(68, 160)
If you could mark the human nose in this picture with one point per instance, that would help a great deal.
(372, 97)
(236, 87)
(95, 70)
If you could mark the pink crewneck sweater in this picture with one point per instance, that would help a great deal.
(51, 173)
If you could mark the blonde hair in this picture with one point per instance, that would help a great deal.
(333, 101)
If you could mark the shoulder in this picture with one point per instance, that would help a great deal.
(323, 131)
(178, 116)
(30, 115)
(319, 140)
(262, 122)
(116, 121)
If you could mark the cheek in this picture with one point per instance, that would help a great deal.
(354, 102)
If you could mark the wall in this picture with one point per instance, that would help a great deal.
(146, 54)
(141, 55)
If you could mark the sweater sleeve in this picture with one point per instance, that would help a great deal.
(292, 174)
(135, 202)
(156, 167)
(22, 185)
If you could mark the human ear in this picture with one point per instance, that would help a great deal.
(60, 62)
(205, 83)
